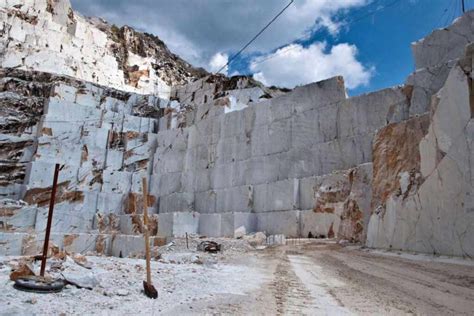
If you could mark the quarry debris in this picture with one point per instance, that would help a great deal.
(209, 246)
(24, 270)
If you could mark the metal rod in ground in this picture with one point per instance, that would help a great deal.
(50, 220)
(187, 245)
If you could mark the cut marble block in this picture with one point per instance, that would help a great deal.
(274, 223)
(178, 224)
(210, 225)
(232, 221)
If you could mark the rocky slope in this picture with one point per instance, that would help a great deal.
(49, 36)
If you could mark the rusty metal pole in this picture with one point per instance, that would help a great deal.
(50, 220)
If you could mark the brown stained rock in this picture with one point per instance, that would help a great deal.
(131, 202)
(169, 67)
(101, 244)
(153, 224)
(134, 203)
(138, 224)
(331, 233)
(356, 209)
(136, 165)
(396, 150)
(23, 270)
(31, 19)
(222, 102)
(69, 239)
(159, 241)
(10, 209)
(151, 200)
(334, 189)
(324, 209)
(42, 196)
(135, 135)
(352, 225)
(97, 177)
(80, 260)
(128, 154)
(107, 224)
(407, 90)
(114, 223)
(56, 253)
(47, 131)
(169, 111)
(146, 109)
(134, 76)
(50, 6)
(12, 173)
(11, 152)
(101, 225)
(116, 140)
(84, 154)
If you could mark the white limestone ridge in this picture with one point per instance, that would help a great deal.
(48, 36)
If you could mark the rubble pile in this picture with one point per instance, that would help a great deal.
(224, 157)
(117, 285)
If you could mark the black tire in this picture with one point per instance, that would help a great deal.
(39, 286)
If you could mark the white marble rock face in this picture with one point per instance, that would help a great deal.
(438, 217)
(49, 36)
(225, 153)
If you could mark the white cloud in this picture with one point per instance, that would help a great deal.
(195, 30)
(294, 65)
(217, 62)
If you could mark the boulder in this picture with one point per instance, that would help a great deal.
(240, 232)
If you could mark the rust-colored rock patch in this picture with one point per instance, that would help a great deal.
(396, 150)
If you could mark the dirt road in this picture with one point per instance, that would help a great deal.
(327, 279)
(317, 278)
(373, 283)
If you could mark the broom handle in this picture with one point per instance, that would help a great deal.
(147, 237)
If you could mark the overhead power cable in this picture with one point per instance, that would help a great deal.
(256, 36)
(246, 45)
(288, 47)
(451, 12)
(440, 21)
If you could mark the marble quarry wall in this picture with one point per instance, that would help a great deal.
(271, 166)
(431, 210)
(105, 139)
(391, 168)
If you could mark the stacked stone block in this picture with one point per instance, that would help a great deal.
(250, 167)
(105, 140)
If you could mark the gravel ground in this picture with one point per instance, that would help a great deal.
(119, 291)
(317, 278)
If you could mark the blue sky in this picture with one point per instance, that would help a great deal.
(366, 41)
(384, 39)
